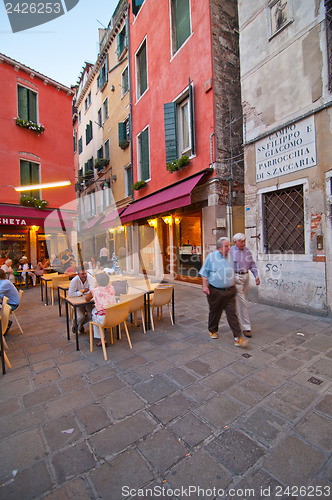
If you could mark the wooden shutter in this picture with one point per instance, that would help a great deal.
(122, 131)
(192, 117)
(170, 131)
(145, 161)
(22, 97)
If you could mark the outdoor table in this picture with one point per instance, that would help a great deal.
(27, 275)
(65, 288)
(75, 302)
(48, 277)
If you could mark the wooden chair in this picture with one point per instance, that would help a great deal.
(114, 316)
(62, 294)
(4, 301)
(53, 284)
(161, 297)
(5, 313)
(136, 303)
(14, 312)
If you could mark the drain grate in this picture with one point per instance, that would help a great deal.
(314, 380)
(246, 355)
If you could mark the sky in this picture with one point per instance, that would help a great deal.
(58, 48)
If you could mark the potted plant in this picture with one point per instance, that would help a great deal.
(100, 163)
(30, 125)
(124, 144)
(31, 201)
(175, 165)
(138, 185)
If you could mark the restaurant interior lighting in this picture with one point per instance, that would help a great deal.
(152, 222)
(32, 187)
(167, 219)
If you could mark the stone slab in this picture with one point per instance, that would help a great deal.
(155, 389)
(73, 461)
(171, 407)
(162, 450)
(93, 417)
(220, 411)
(28, 484)
(61, 432)
(191, 429)
(316, 429)
(122, 403)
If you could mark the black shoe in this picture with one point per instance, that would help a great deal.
(81, 329)
(8, 327)
(247, 333)
(73, 329)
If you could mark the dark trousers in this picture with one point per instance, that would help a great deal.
(223, 300)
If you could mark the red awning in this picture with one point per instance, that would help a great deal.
(19, 217)
(170, 198)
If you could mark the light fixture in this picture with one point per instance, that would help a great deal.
(152, 222)
(177, 220)
(32, 187)
(35, 228)
(167, 219)
(120, 229)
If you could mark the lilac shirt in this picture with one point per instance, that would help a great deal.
(243, 260)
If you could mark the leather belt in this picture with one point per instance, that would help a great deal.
(241, 272)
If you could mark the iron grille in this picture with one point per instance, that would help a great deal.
(284, 220)
(328, 7)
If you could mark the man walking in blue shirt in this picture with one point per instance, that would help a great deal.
(219, 286)
(243, 263)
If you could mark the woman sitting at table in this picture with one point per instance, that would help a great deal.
(103, 295)
(93, 264)
(39, 271)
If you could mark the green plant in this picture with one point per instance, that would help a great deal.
(175, 165)
(100, 163)
(30, 125)
(124, 144)
(138, 185)
(31, 201)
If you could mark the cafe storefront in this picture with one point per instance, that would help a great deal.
(32, 232)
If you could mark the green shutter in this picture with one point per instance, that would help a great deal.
(143, 77)
(170, 131)
(182, 21)
(122, 132)
(107, 150)
(24, 173)
(22, 97)
(136, 6)
(32, 106)
(192, 118)
(145, 160)
(29, 174)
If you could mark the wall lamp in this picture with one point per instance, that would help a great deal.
(152, 222)
(32, 187)
(167, 219)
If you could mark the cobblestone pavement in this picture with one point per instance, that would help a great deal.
(179, 415)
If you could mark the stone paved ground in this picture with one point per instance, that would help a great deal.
(176, 413)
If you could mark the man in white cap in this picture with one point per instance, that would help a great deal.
(243, 263)
(26, 268)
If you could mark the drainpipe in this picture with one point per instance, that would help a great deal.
(211, 148)
(130, 103)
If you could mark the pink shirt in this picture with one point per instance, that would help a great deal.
(103, 295)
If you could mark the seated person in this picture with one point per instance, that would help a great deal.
(8, 290)
(39, 271)
(81, 285)
(66, 257)
(25, 266)
(103, 294)
(93, 264)
(55, 261)
(72, 269)
(7, 267)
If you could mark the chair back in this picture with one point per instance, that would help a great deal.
(5, 312)
(57, 280)
(4, 302)
(115, 314)
(162, 296)
(135, 302)
(21, 292)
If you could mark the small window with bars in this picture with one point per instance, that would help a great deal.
(283, 219)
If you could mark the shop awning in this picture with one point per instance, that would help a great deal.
(168, 199)
(17, 216)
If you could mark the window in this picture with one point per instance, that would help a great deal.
(143, 155)
(27, 104)
(124, 81)
(100, 153)
(75, 140)
(283, 217)
(328, 8)
(100, 118)
(124, 133)
(80, 145)
(79, 117)
(179, 126)
(92, 203)
(29, 174)
(122, 42)
(128, 180)
(136, 5)
(88, 169)
(141, 71)
(87, 101)
(103, 74)
(107, 149)
(181, 29)
(105, 109)
(88, 133)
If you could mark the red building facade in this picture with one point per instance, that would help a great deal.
(36, 147)
(185, 94)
